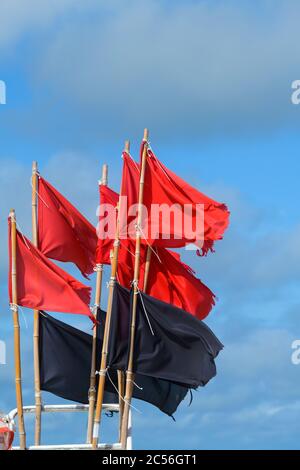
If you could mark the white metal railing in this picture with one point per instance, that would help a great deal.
(69, 409)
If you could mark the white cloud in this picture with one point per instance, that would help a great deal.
(18, 17)
(216, 67)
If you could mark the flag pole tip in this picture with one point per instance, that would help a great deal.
(34, 168)
(12, 213)
(104, 174)
(127, 146)
(146, 134)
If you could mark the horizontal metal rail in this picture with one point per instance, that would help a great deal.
(116, 446)
(61, 409)
(69, 409)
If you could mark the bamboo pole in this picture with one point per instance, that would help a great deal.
(147, 269)
(129, 372)
(98, 292)
(36, 313)
(103, 365)
(121, 389)
(17, 339)
(121, 374)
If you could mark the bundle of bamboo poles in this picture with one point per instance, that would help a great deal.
(125, 387)
(124, 416)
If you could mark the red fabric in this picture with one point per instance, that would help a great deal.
(42, 285)
(104, 245)
(130, 179)
(6, 437)
(170, 280)
(162, 186)
(108, 196)
(174, 282)
(64, 234)
(130, 196)
(129, 193)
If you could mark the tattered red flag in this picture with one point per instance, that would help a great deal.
(64, 234)
(169, 279)
(163, 187)
(108, 197)
(105, 242)
(184, 205)
(174, 282)
(42, 285)
(130, 180)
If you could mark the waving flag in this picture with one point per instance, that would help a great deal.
(108, 197)
(42, 285)
(172, 281)
(176, 214)
(130, 179)
(169, 279)
(170, 343)
(108, 200)
(163, 187)
(64, 234)
(70, 378)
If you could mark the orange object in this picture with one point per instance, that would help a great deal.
(6, 436)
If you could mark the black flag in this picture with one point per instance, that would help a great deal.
(65, 362)
(170, 343)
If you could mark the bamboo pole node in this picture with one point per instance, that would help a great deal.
(91, 389)
(12, 215)
(98, 268)
(13, 307)
(34, 167)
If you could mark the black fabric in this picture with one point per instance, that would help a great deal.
(163, 394)
(65, 361)
(181, 349)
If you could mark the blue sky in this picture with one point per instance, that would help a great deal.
(212, 81)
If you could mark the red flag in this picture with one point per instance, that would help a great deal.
(162, 186)
(169, 279)
(108, 199)
(6, 435)
(64, 234)
(42, 285)
(174, 282)
(130, 180)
